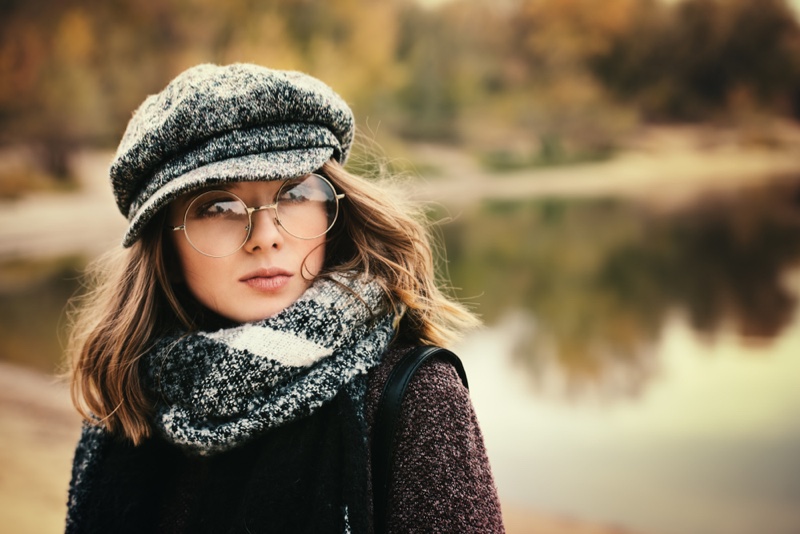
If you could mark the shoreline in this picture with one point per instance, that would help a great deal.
(665, 169)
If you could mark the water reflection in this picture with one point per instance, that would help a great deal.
(710, 448)
(599, 278)
(33, 296)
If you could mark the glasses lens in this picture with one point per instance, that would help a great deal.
(216, 223)
(307, 206)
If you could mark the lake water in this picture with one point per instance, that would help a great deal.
(638, 368)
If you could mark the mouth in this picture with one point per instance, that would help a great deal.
(271, 279)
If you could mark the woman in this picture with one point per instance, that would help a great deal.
(229, 362)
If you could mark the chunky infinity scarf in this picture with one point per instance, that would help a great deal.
(220, 389)
(217, 390)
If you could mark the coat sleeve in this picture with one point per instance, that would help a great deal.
(441, 478)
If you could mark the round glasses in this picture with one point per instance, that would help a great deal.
(218, 223)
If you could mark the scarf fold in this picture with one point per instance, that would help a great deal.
(218, 390)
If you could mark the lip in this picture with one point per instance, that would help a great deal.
(270, 279)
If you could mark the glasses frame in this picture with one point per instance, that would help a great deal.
(250, 210)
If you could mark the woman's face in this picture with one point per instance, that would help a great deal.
(260, 279)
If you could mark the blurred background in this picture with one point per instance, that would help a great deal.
(619, 185)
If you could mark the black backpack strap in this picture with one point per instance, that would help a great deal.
(386, 417)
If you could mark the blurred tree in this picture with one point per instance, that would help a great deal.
(691, 61)
(429, 96)
(547, 93)
(72, 72)
(70, 75)
(762, 52)
(552, 80)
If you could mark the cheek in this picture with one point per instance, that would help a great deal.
(209, 285)
(177, 257)
(189, 268)
(314, 259)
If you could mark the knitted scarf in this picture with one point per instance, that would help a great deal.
(219, 389)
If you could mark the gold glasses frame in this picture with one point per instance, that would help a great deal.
(252, 209)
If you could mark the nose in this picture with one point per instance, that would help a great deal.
(264, 233)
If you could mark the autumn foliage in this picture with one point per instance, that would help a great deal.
(547, 75)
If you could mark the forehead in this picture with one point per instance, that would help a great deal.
(250, 189)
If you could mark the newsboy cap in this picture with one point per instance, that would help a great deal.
(214, 124)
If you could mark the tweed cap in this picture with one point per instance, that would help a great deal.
(214, 124)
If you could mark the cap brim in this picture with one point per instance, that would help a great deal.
(268, 166)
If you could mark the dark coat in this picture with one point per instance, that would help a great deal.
(281, 482)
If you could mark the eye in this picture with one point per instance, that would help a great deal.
(215, 205)
(295, 192)
(308, 188)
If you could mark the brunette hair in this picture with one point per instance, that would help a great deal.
(131, 300)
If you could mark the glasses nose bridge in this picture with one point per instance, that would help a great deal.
(254, 209)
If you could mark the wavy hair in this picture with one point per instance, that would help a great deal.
(131, 300)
